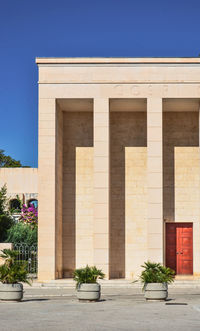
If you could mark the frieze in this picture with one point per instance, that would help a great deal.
(156, 90)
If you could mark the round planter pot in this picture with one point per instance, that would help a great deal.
(11, 292)
(156, 291)
(89, 292)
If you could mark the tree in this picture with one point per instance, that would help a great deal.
(7, 161)
(3, 200)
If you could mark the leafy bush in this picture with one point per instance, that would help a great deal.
(6, 223)
(87, 275)
(13, 271)
(22, 233)
(156, 273)
(6, 220)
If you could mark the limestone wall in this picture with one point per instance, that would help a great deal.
(84, 206)
(186, 184)
(19, 180)
(181, 166)
(136, 209)
(182, 173)
(77, 189)
(128, 205)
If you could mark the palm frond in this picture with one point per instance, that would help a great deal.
(156, 273)
(13, 271)
(87, 275)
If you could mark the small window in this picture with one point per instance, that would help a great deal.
(15, 205)
(33, 202)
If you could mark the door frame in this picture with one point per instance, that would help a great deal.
(165, 241)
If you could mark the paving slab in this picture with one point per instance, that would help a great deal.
(119, 309)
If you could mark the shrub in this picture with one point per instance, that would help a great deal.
(22, 233)
(6, 220)
(87, 275)
(156, 273)
(13, 271)
(6, 223)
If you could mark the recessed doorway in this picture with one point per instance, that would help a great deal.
(179, 247)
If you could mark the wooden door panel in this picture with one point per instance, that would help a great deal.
(186, 267)
(171, 246)
(186, 230)
(186, 241)
(170, 240)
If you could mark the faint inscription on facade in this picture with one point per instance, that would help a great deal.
(135, 90)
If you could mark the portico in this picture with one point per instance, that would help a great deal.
(118, 159)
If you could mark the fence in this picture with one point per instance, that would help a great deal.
(30, 254)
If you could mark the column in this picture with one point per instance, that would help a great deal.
(155, 179)
(46, 189)
(101, 184)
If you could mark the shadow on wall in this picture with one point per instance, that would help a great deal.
(179, 129)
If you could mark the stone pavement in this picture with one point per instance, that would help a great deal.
(56, 309)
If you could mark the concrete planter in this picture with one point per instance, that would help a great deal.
(156, 291)
(11, 292)
(89, 292)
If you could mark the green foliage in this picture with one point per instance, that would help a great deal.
(6, 221)
(156, 273)
(6, 224)
(7, 161)
(13, 271)
(87, 275)
(22, 233)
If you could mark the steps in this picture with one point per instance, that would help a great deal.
(116, 283)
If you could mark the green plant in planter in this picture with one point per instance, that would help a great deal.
(156, 273)
(13, 271)
(87, 275)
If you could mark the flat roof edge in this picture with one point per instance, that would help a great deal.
(85, 60)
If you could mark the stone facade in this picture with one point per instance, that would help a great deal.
(118, 158)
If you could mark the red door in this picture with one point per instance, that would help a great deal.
(179, 247)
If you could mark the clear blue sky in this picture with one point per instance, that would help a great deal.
(63, 28)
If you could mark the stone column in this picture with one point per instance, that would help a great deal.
(46, 189)
(101, 184)
(155, 179)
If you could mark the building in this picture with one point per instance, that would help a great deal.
(119, 165)
(21, 183)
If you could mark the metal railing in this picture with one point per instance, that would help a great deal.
(28, 253)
